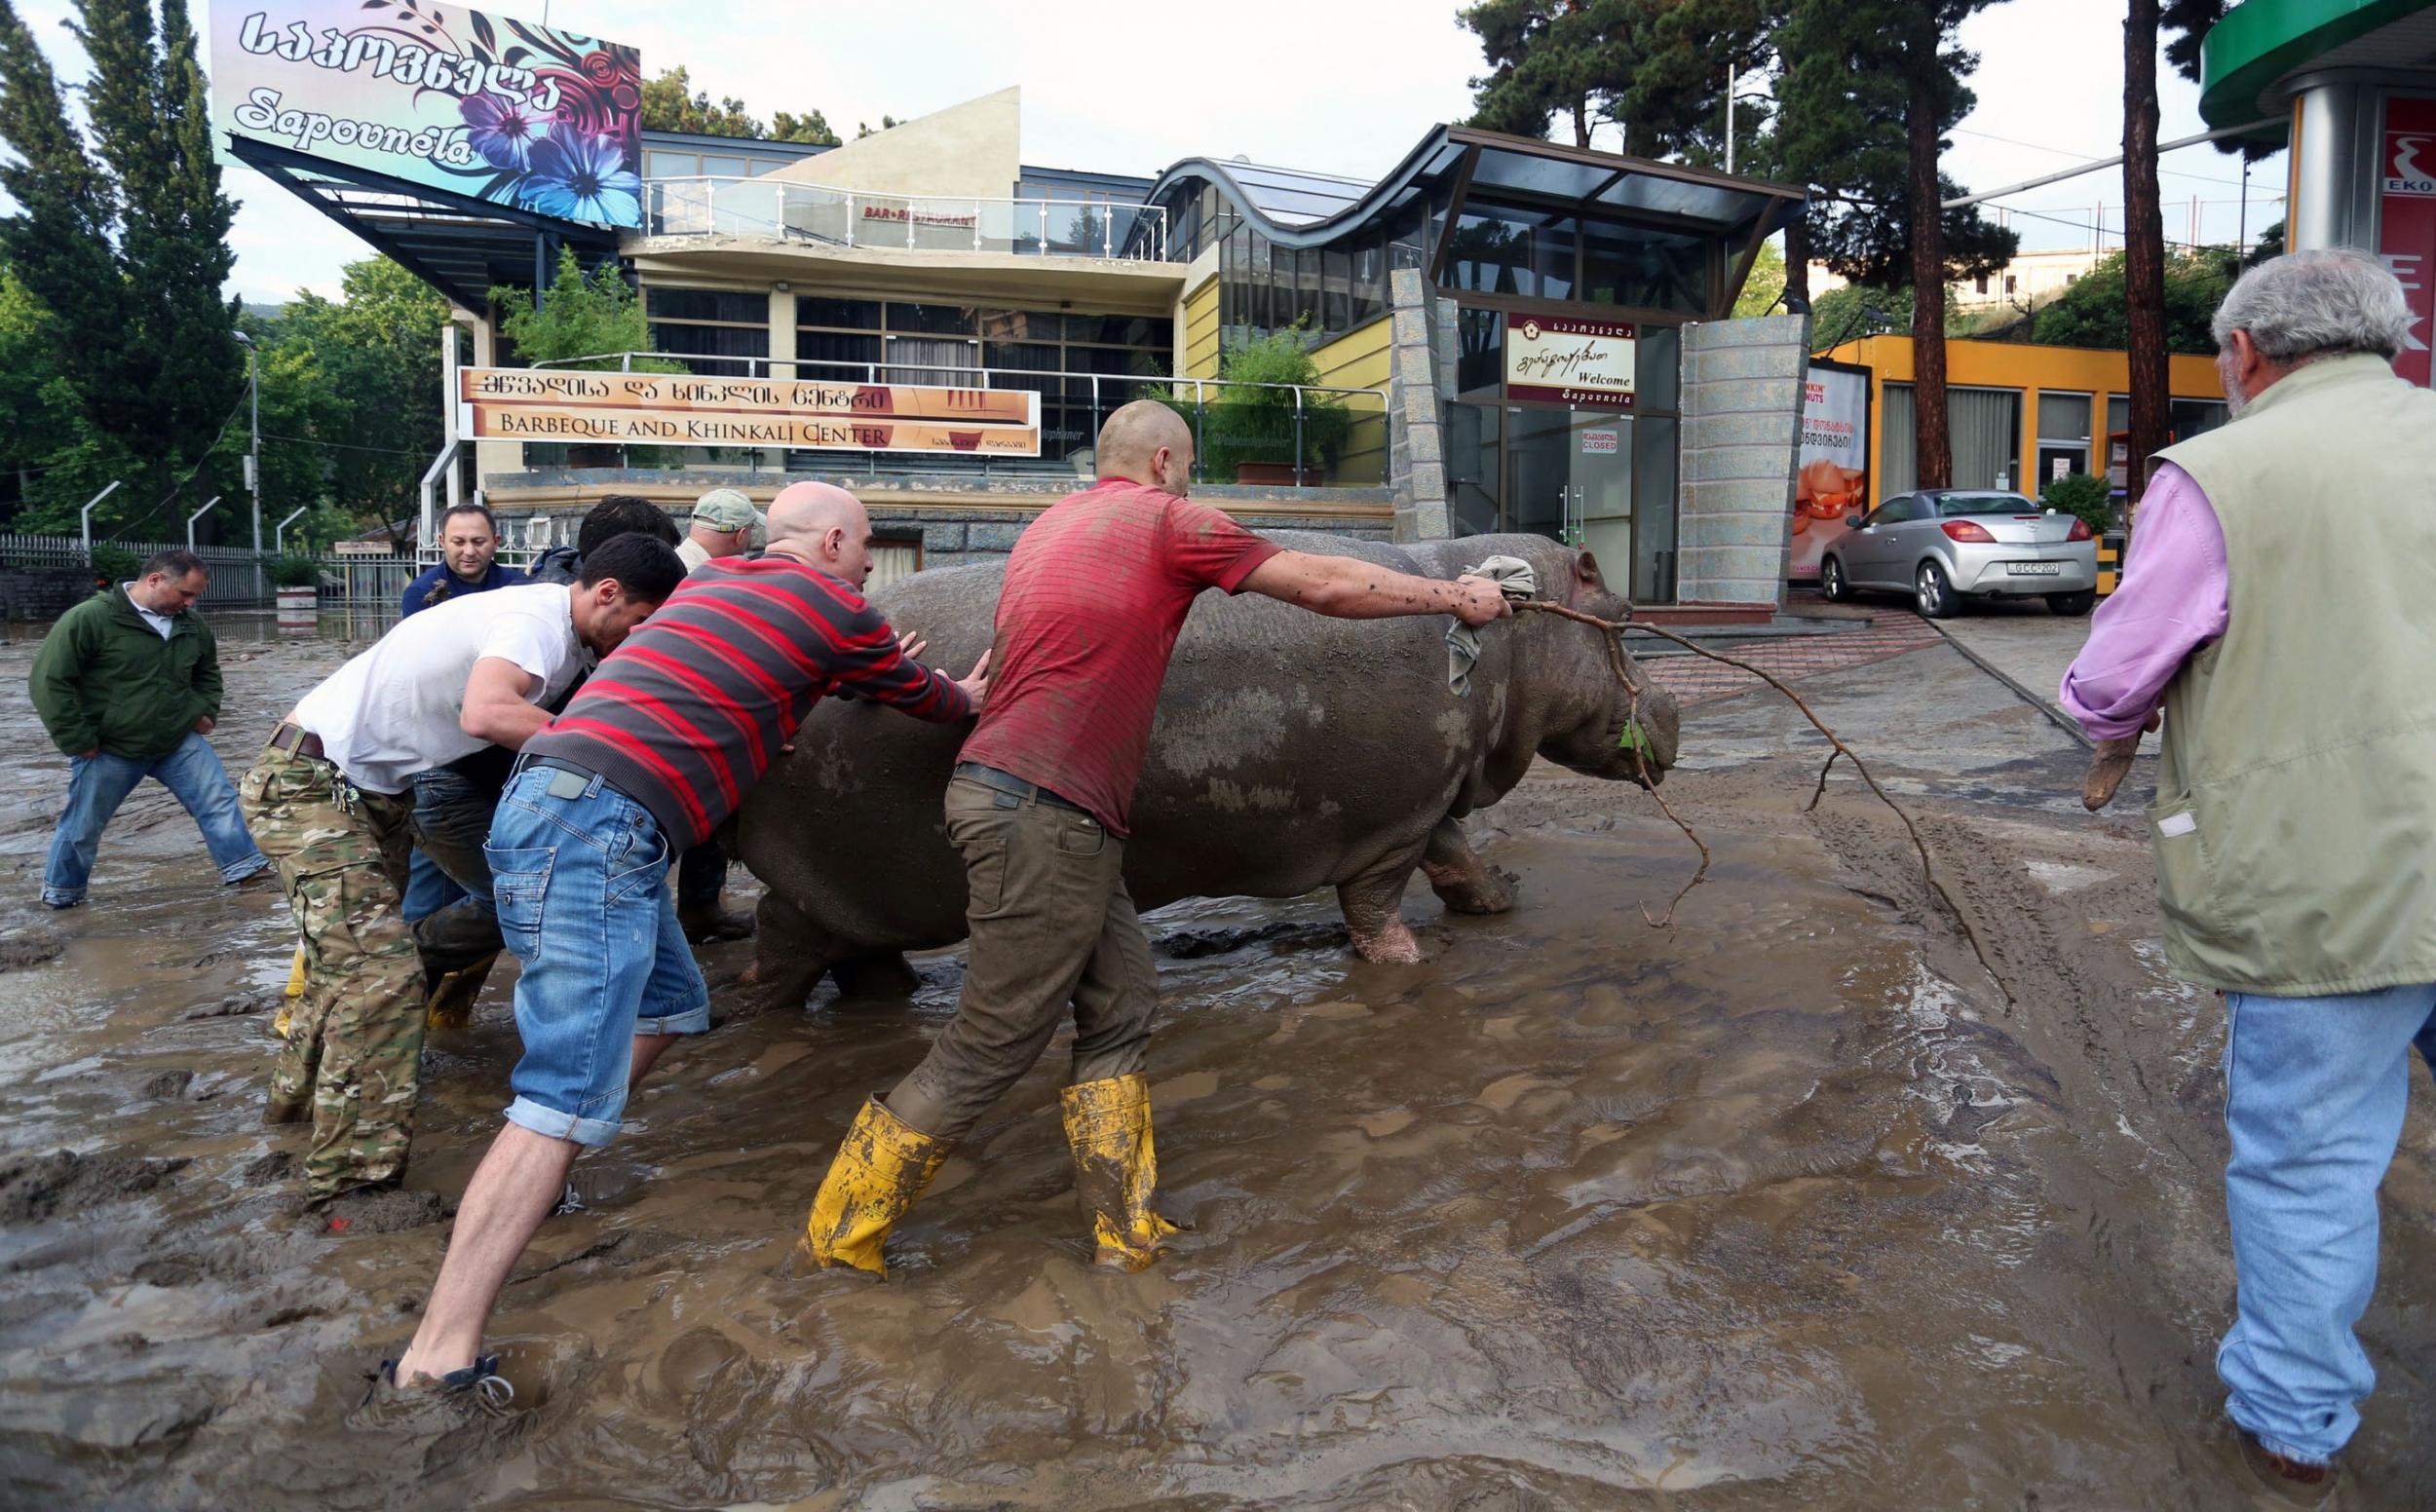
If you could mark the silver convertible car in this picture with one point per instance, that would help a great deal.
(1941, 544)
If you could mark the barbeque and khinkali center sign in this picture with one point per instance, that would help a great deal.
(676, 409)
(485, 106)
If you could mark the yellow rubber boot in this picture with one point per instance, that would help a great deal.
(295, 990)
(880, 1170)
(1108, 1126)
(451, 1001)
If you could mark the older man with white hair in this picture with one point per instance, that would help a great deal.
(2277, 612)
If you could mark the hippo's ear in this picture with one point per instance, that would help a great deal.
(1587, 571)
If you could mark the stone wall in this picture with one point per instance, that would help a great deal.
(1421, 359)
(1741, 438)
(41, 592)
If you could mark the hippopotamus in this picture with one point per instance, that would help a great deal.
(1292, 752)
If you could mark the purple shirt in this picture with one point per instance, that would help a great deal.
(2175, 597)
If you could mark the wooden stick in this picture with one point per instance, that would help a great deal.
(1613, 633)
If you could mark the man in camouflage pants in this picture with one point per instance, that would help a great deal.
(349, 1054)
(331, 802)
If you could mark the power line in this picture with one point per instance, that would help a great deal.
(2085, 157)
(394, 451)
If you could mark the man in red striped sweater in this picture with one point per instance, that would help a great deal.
(660, 746)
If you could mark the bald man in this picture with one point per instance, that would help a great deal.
(660, 746)
(1096, 591)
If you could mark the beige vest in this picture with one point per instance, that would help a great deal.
(2295, 824)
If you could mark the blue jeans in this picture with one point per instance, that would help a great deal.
(97, 784)
(429, 889)
(580, 872)
(2315, 1092)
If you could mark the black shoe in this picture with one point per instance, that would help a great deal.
(706, 924)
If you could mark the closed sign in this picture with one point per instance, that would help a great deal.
(1598, 443)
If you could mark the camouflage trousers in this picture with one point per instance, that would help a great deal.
(355, 1039)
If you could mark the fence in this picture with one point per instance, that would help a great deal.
(853, 218)
(238, 575)
(1302, 435)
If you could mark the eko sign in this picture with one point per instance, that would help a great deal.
(676, 409)
(1559, 359)
(2406, 221)
(485, 106)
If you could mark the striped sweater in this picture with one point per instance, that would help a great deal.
(686, 716)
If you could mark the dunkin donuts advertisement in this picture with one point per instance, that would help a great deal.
(1834, 479)
(678, 410)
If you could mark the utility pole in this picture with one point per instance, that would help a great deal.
(1729, 118)
(254, 447)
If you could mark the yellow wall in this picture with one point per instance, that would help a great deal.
(1201, 332)
(1356, 359)
(2030, 369)
(1359, 359)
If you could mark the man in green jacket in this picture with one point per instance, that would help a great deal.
(128, 683)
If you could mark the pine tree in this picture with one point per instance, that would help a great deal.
(1869, 89)
(126, 244)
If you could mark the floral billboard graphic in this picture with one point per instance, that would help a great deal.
(481, 105)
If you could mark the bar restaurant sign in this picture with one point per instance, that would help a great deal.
(1560, 360)
(678, 410)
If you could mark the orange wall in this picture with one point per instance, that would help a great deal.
(2008, 364)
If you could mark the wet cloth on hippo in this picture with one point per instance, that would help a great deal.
(1518, 583)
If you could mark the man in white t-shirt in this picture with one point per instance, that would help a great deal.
(330, 802)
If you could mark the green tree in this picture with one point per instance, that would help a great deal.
(1548, 60)
(580, 315)
(2270, 245)
(377, 351)
(866, 129)
(2095, 311)
(124, 243)
(1765, 285)
(672, 103)
(1868, 92)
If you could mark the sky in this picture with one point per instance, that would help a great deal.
(1345, 86)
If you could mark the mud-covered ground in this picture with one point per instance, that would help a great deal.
(1791, 1206)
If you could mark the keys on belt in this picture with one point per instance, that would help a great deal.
(1008, 782)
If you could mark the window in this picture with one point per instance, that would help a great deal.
(2010, 285)
(1490, 252)
(1980, 284)
(717, 329)
(841, 339)
(1894, 512)
(1985, 425)
(1637, 265)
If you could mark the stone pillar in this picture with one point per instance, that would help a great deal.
(1418, 345)
(1741, 441)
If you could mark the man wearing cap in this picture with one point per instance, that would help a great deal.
(724, 524)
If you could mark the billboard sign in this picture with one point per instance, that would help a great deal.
(1559, 359)
(680, 410)
(1833, 483)
(480, 105)
(2406, 221)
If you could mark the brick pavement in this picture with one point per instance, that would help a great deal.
(1697, 680)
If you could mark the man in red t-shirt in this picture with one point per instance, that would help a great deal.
(1096, 592)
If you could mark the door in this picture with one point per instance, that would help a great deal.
(1540, 472)
(1869, 552)
(1602, 483)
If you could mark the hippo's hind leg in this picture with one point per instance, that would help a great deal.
(1373, 904)
(1462, 882)
(883, 974)
(791, 952)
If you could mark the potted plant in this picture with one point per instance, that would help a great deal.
(295, 579)
(1249, 435)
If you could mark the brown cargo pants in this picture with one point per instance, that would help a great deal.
(1050, 925)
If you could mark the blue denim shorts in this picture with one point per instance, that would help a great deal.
(579, 874)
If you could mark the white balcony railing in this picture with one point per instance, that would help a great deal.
(853, 218)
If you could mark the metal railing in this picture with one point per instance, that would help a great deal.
(898, 222)
(238, 575)
(1304, 436)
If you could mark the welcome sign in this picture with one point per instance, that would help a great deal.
(485, 106)
(1561, 360)
(680, 410)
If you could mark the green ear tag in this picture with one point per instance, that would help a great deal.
(1633, 740)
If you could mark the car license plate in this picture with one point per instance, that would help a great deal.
(2034, 569)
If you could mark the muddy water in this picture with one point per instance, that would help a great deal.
(1787, 1207)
